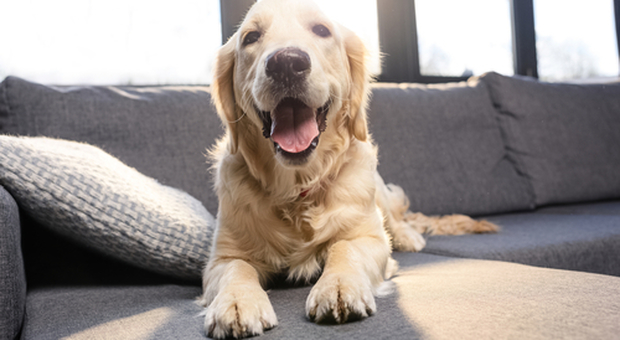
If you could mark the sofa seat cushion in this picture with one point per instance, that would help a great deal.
(563, 137)
(595, 208)
(125, 312)
(443, 145)
(82, 192)
(434, 297)
(583, 237)
(162, 131)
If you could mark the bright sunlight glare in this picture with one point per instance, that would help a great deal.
(160, 42)
(109, 42)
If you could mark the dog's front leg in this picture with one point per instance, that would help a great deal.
(236, 303)
(353, 271)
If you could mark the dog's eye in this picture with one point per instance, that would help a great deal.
(321, 31)
(251, 38)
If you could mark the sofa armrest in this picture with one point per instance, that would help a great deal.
(12, 275)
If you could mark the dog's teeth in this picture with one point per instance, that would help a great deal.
(315, 143)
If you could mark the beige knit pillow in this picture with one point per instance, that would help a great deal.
(80, 191)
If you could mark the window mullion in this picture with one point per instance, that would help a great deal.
(617, 17)
(398, 40)
(524, 38)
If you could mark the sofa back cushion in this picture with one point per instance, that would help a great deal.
(163, 132)
(565, 138)
(443, 145)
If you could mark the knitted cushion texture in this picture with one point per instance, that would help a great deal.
(80, 191)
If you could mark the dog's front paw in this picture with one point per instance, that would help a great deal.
(340, 298)
(239, 313)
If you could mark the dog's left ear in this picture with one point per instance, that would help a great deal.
(357, 54)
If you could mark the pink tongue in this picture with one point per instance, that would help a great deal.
(294, 126)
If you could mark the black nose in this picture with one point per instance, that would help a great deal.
(288, 65)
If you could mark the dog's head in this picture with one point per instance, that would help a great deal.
(295, 75)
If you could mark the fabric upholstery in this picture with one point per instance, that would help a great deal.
(12, 278)
(434, 297)
(563, 137)
(581, 237)
(443, 145)
(595, 208)
(163, 132)
(82, 192)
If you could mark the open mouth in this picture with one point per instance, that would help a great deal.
(295, 128)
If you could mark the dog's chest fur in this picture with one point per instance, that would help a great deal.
(304, 251)
(284, 221)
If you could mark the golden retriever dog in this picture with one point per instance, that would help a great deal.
(296, 176)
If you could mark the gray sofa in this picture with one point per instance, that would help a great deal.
(541, 160)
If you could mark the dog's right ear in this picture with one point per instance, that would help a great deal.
(357, 55)
(223, 91)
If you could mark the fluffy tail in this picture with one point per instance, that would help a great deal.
(406, 228)
(448, 225)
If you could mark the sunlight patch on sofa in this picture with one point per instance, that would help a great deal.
(140, 326)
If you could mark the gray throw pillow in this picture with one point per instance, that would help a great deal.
(82, 192)
(564, 138)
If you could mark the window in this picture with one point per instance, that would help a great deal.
(447, 40)
(463, 38)
(161, 42)
(109, 41)
(576, 39)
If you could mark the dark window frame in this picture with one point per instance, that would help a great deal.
(399, 40)
(524, 38)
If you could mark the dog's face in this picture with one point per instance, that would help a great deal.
(297, 76)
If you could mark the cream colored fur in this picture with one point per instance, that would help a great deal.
(340, 228)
